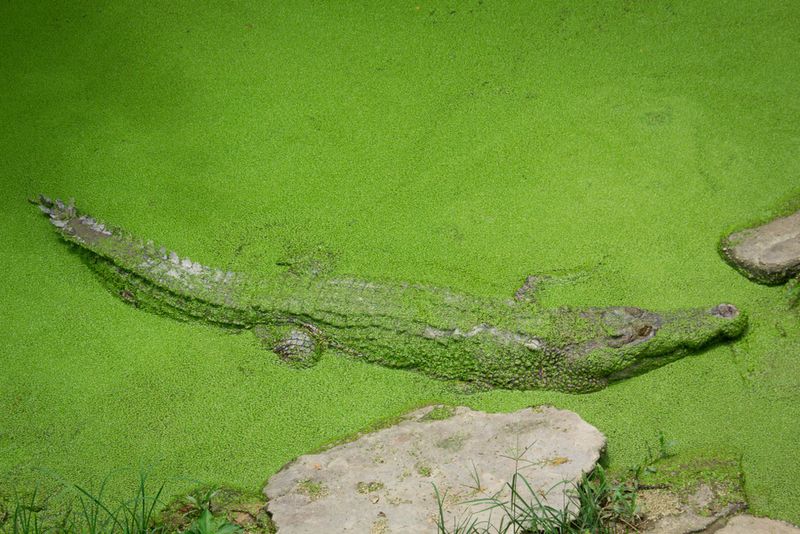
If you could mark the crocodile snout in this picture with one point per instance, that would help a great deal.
(731, 321)
(677, 333)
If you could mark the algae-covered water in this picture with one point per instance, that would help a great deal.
(463, 144)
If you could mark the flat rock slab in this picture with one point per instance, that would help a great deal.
(770, 253)
(383, 482)
(747, 524)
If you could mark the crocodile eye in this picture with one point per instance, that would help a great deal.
(644, 330)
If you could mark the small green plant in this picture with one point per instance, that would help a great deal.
(188, 513)
(369, 487)
(314, 490)
(208, 524)
(652, 457)
(424, 470)
(665, 448)
(476, 479)
(202, 499)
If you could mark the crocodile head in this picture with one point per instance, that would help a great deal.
(634, 341)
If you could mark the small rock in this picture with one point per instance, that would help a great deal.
(703, 509)
(684, 523)
(470, 455)
(747, 524)
(658, 503)
(770, 253)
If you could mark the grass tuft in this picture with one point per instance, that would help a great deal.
(139, 514)
(603, 506)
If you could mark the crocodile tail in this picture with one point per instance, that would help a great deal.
(155, 265)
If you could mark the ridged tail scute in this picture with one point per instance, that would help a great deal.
(155, 265)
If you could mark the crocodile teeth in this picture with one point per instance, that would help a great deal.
(60, 205)
(45, 209)
(58, 223)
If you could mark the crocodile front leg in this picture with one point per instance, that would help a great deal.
(527, 291)
(297, 346)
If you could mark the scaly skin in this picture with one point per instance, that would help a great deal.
(500, 343)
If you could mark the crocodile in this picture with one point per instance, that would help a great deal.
(503, 343)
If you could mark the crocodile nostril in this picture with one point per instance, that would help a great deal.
(725, 310)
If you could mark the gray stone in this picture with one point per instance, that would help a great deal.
(384, 481)
(668, 512)
(770, 253)
(683, 523)
(747, 524)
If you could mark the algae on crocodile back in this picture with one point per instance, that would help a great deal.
(491, 342)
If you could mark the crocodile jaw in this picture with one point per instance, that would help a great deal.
(678, 334)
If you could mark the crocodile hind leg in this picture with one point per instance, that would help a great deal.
(296, 346)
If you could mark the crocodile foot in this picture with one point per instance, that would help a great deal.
(295, 346)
